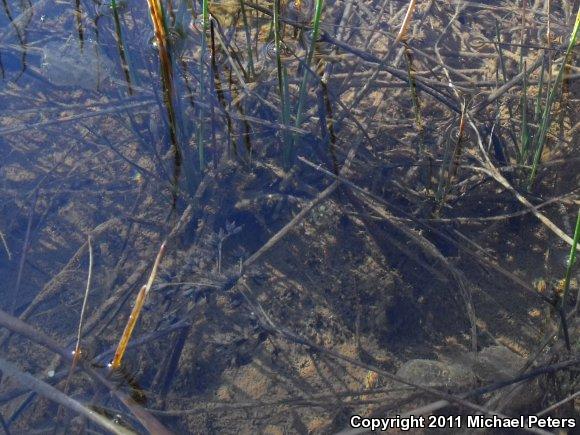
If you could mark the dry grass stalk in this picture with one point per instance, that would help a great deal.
(139, 302)
(402, 35)
(129, 327)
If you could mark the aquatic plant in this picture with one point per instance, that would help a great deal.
(414, 97)
(571, 263)
(121, 46)
(540, 138)
(524, 127)
(309, 56)
(282, 75)
(342, 246)
(250, 63)
(160, 28)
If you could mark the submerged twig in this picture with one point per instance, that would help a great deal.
(5, 244)
(53, 394)
(25, 246)
(77, 351)
(493, 172)
(142, 295)
(267, 322)
(17, 326)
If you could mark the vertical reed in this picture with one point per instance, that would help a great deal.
(160, 29)
(304, 84)
(282, 82)
(202, 85)
(248, 39)
(571, 262)
(540, 138)
(451, 162)
(524, 128)
(414, 96)
(502, 64)
(121, 47)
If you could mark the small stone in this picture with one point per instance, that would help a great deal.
(436, 373)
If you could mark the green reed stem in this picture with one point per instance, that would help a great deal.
(547, 115)
(278, 47)
(309, 56)
(502, 64)
(571, 260)
(248, 39)
(121, 47)
(282, 81)
(414, 96)
(538, 107)
(500, 53)
(524, 129)
(205, 13)
(202, 73)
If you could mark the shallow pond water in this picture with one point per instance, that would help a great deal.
(301, 211)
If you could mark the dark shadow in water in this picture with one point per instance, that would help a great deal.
(20, 31)
(121, 47)
(79, 18)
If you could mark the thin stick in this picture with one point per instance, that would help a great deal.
(51, 393)
(25, 246)
(19, 327)
(558, 404)
(6, 246)
(493, 172)
(87, 290)
(139, 302)
(77, 351)
(268, 324)
(571, 262)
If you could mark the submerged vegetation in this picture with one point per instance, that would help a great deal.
(269, 215)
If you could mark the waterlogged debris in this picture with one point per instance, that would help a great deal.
(67, 63)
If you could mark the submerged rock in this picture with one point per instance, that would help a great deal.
(67, 63)
(491, 364)
(433, 373)
(496, 363)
